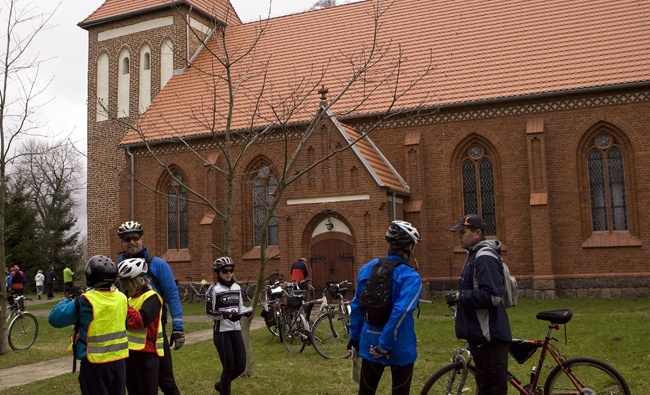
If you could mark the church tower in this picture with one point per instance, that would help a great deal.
(134, 49)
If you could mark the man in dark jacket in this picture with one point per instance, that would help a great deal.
(50, 278)
(481, 317)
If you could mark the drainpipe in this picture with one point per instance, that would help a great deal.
(128, 152)
(394, 209)
(187, 36)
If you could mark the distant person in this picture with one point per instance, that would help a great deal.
(161, 278)
(144, 328)
(224, 304)
(481, 317)
(299, 270)
(39, 279)
(50, 279)
(17, 280)
(68, 281)
(392, 344)
(101, 343)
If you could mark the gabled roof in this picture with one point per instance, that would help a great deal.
(372, 158)
(478, 51)
(116, 9)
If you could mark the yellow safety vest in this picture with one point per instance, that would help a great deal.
(106, 338)
(138, 337)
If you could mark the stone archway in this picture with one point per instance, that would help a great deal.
(331, 255)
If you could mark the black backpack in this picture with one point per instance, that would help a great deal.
(18, 278)
(375, 299)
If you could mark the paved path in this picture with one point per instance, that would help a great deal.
(25, 374)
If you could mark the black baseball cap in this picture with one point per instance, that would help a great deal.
(472, 220)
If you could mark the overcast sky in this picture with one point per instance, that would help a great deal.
(66, 45)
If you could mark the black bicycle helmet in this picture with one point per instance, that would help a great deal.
(130, 227)
(402, 233)
(101, 272)
(222, 262)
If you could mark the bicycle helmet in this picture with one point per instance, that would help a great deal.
(402, 233)
(132, 267)
(130, 227)
(222, 262)
(101, 272)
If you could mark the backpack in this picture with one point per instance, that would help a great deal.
(510, 287)
(375, 299)
(18, 278)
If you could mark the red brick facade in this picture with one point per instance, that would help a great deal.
(538, 146)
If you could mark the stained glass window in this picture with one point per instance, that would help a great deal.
(477, 173)
(177, 215)
(607, 185)
(264, 186)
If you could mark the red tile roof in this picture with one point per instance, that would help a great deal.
(220, 9)
(478, 51)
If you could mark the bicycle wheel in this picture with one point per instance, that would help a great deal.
(595, 377)
(293, 331)
(22, 331)
(331, 333)
(447, 381)
(183, 294)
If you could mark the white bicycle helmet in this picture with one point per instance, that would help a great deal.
(132, 267)
(402, 233)
(130, 227)
(222, 262)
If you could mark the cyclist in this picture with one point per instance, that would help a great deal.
(481, 317)
(162, 280)
(99, 315)
(394, 343)
(299, 270)
(144, 328)
(224, 304)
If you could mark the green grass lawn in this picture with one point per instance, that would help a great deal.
(614, 330)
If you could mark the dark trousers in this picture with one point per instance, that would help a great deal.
(491, 360)
(232, 355)
(68, 288)
(371, 374)
(142, 373)
(49, 289)
(166, 380)
(103, 378)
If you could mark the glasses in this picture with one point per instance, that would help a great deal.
(226, 271)
(128, 239)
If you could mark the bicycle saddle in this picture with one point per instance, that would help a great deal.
(555, 316)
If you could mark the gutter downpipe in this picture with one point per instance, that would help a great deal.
(394, 209)
(130, 154)
(187, 36)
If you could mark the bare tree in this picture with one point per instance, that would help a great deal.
(375, 66)
(319, 4)
(20, 99)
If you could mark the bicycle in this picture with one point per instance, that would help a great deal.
(574, 376)
(294, 325)
(22, 326)
(270, 299)
(193, 289)
(331, 330)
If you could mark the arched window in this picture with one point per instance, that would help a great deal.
(102, 87)
(123, 84)
(263, 187)
(166, 62)
(177, 214)
(145, 79)
(477, 172)
(607, 184)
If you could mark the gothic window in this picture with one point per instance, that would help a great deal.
(177, 214)
(477, 173)
(166, 62)
(145, 79)
(607, 184)
(123, 84)
(263, 187)
(102, 87)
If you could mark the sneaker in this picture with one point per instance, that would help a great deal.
(216, 387)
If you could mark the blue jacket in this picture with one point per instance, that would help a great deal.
(481, 316)
(165, 286)
(398, 335)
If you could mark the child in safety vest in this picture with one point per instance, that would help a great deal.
(100, 341)
(144, 328)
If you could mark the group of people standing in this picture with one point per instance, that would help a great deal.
(17, 281)
(480, 315)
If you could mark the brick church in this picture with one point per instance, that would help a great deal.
(533, 114)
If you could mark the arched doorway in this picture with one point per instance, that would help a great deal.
(332, 253)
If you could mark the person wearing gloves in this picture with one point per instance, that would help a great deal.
(144, 328)
(224, 304)
(100, 339)
(162, 281)
(394, 343)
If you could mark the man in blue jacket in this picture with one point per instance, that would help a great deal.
(481, 317)
(162, 280)
(394, 343)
